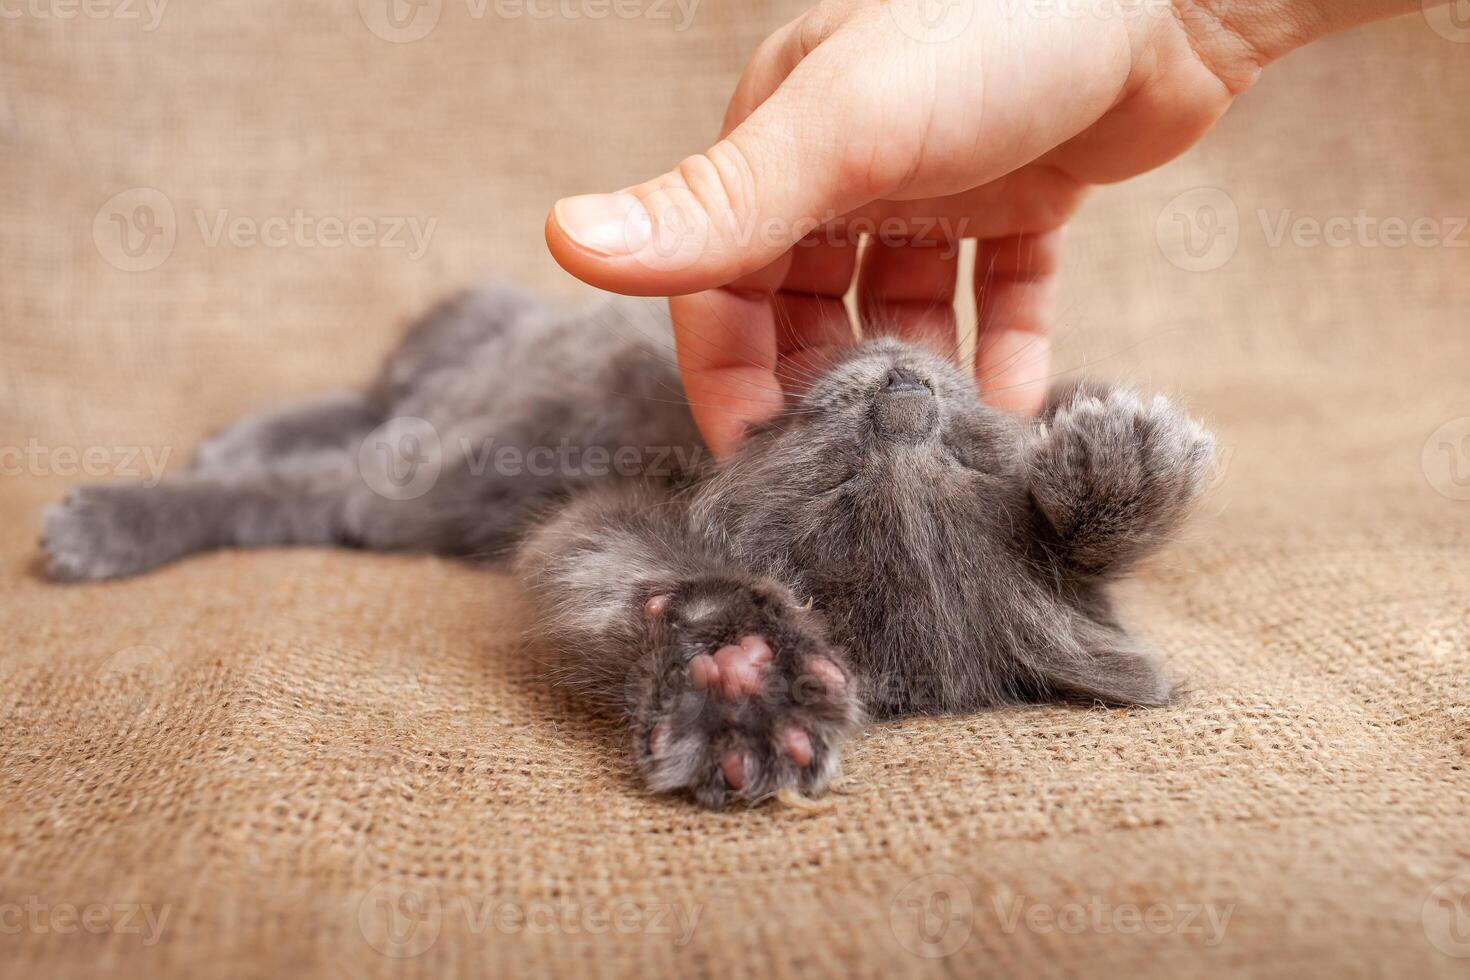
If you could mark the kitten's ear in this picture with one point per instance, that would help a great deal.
(1114, 669)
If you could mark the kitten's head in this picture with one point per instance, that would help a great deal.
(893, 415)
(890, 444)
(887, 492)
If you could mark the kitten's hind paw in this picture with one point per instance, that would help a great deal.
(744, 698)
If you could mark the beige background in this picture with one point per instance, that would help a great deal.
(274, 745)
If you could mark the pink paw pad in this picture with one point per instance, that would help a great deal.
(704, 672)
(656, 606)
(797, 744)
(733, 764)
(740, 666)
(829, 674)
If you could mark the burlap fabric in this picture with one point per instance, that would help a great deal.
(322, 763)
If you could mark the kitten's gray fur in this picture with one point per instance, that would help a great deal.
(946, 555)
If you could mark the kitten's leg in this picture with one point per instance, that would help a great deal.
(449, 333)
(287, 475)
(339, 420)
(1114, 476)
(730, 688)
(113, 530)
(304, 473)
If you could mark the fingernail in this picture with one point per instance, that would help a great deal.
(612, 224)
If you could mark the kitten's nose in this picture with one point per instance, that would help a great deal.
(905, 407)
(902, 379)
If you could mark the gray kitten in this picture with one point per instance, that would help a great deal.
(888, 546)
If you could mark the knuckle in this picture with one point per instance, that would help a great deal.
(818, 23)
(722, 184)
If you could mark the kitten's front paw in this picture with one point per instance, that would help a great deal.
(744, 698)
(1115, 474)
(98, 532)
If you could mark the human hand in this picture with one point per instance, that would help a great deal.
(920, 122)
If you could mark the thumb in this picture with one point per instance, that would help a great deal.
(721, 214)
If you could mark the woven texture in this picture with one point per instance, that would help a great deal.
(323, 763)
